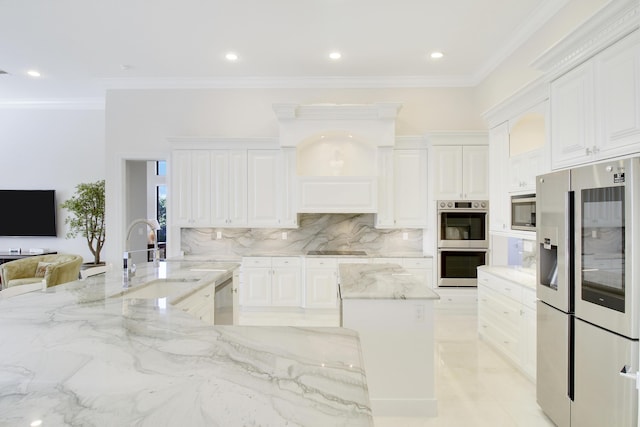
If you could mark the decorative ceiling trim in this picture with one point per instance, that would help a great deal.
(537, 20)
(54, 104)
(283, 82)
(523, 99)
(608, 25)
(378, 111)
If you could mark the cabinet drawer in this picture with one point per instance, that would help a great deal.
(418, 263)
(350, 260)
(387, 261)
(320, 263)
(509, 289)
(286, 262)
(256, 262)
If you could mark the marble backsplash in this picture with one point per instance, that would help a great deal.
(315, 232)
(522, 253)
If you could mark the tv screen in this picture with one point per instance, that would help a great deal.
(27, 213)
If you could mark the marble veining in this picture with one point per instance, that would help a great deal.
(315, 232)
(76, 355)
(381, 281)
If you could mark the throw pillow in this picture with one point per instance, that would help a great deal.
(41, 269)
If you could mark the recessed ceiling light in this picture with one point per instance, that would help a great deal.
(335, 55)
(436, 55)
(231, 56)
(33, 73)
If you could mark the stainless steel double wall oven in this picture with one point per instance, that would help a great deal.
(463, 241)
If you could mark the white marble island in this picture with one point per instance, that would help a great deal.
(84, 354)
(392, 310)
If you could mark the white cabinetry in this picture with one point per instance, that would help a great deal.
(523, 170)
(402, 190)
(269, 189)
(461, 172)
(191, 184)
(229, 188)
(271, 282)
(498, 195)
(321, 280)
(595, 108)
(200, 304)
(506, 319)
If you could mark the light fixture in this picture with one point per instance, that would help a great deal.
(231, 56)
(436, 55)
(335, 55)
(33, 73)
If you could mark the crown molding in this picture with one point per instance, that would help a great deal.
(614, 21)
(378, 111)
(197, 142)
(540, 16)
(54, 104)
(293, 82)
(522, 100)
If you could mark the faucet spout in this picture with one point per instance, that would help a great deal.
(128, 266)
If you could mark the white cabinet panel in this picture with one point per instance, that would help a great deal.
(410, 188)
(498, 195)
(229, 187)
(321, 288)
(271, 282)
(264, 187)
(191, 186)
(572, 115)
(523, 170)
(461, 172)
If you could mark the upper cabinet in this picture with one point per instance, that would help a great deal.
(229, 188)
(498, 193)
(527, 139)
(191, 183)
(595, 107)
(460, 172)
(402, 188)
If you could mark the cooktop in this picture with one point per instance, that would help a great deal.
(337, 253)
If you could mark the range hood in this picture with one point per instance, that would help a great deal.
(337, 150)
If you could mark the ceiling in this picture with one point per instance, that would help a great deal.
(81, 47)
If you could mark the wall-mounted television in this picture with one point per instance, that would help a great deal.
(27, 213)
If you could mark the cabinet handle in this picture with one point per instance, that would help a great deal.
(588, 151)
(595, 150)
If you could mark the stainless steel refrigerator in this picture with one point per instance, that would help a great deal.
(588, 266)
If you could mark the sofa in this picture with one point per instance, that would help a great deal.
(54, 269)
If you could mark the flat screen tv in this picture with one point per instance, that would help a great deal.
(27, 213)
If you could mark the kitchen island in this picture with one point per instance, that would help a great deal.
(392, 311)
(86, 353)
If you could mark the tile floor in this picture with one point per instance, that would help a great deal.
(474, 385)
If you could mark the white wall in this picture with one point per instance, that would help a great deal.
(51, 149)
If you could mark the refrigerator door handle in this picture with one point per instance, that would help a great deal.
(626, 372)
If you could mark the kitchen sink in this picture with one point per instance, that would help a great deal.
(158, 288)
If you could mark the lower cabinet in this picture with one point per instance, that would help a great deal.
(507, 320)
(200, 304)
(271, 282)
(321, 280)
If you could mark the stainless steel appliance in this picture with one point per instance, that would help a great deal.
(523, 212)
(463, 224)
(588, 283)
(463, 241)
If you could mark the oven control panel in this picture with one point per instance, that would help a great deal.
(463, 204)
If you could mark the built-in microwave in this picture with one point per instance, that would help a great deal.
(523, 212)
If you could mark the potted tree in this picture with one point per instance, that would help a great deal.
(86, 208)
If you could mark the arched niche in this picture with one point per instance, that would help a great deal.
(527, 133)
(335, 153)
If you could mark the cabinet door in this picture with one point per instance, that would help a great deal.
(286, 286)
(265, 183)
(256, 287)
(447, 166)
(523, 170)
(237, 202)
(475, 172)
(386, 185)
(288, 202)
(219, 187)
(572, 124)
(191, 183)
(410, 189)
(181, 187)
(528, 347)
(321, 288)
(618, 97)
(499, 210)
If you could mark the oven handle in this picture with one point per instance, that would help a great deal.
(479, 210)
(463, 250)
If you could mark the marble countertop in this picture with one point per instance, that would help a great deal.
(238, 258)
(523, 276)
(381, 281)
(80, 354)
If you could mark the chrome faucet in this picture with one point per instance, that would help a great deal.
(129, 269)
